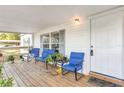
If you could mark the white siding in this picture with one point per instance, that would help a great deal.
(123, 45)
(77, 38)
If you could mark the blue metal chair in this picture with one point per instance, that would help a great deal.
(45, 54)
(33, 53)
(75, 63)
(42, 57)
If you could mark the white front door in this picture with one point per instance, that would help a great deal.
(106, 42)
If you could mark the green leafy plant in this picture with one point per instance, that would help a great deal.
(49, 59)
(11, 58)
(5, 82)
(56, 57)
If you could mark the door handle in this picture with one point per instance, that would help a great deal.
(91, 52)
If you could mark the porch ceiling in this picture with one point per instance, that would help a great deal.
(31, 18)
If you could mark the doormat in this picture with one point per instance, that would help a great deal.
(102, 83)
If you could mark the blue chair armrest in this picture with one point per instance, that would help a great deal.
(63, 64)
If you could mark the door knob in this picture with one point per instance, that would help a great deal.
(91, 52)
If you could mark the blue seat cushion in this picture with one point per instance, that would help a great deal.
(40, 59)
(70, 67)
(45, 54)
(75, 61)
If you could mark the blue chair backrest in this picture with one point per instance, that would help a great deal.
(76, 58)
(47, 52)
(35, 52)
(51, 51)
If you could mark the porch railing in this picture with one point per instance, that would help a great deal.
(16, 51)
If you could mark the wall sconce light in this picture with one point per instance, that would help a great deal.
(77, 21)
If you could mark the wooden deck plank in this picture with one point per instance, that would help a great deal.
(19, 81)
(9, 74)
(23, 77)
(61, 82)
(35, 75)
(28, 76)
(42, 77)
(67, 78)
(58, 79)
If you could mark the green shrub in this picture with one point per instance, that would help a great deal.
(5, 82)
(11, 58)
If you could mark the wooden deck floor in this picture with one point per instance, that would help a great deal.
(29, 74)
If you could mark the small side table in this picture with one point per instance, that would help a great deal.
(56, 67)
(27, 57)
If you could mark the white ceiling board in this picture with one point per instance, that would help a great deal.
(31, 18)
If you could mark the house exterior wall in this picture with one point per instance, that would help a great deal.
(123, 43)
(77, 37)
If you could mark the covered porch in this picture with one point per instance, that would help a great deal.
(91, 31)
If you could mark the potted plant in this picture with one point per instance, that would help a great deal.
(11, 58)
(56, 58)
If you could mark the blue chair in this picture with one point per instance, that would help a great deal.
(45, 54)
(75, 63)
(42, 57)
(51, 51)
(33, 53)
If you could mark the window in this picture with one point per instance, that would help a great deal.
(45, 41)
(54, 40)
(45, 38)
(62, 42)
(25, 41)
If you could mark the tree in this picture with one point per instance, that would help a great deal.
(9, 36)
(3, 36)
